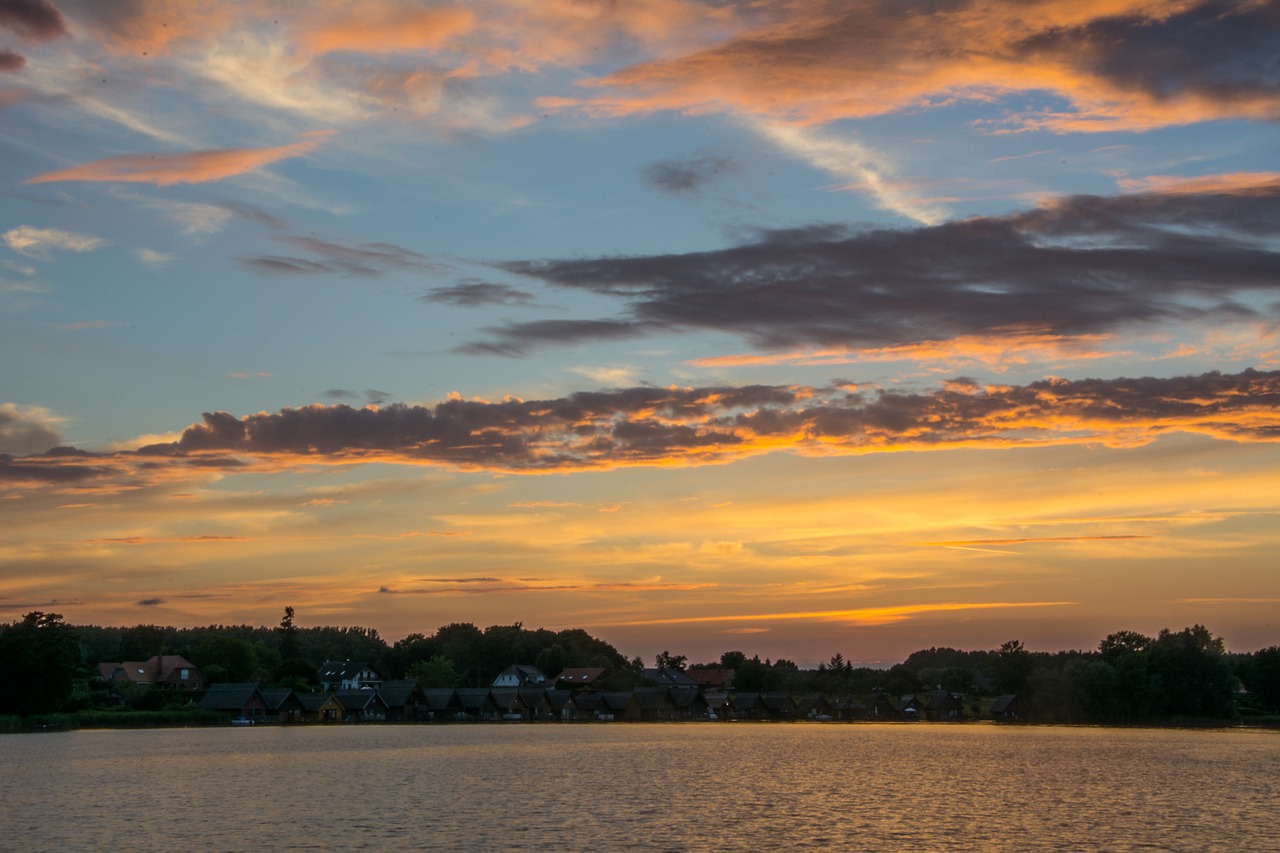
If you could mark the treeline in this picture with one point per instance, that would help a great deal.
(47, 665)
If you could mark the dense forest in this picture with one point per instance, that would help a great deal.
(1185, 675)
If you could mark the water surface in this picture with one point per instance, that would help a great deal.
(604, 787)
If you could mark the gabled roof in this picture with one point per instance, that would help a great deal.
(778, 702)
(359, 700)
(580, 675)
(615, 701)
(154, 670)
(440, 698)
(399, 693)
(338, 670)
(312, 702)
(523, 674)
(686, 697)
(711, 677)
(667, 677)
(558, 699)
(475, 698)
(653, 699)
(1003, 703)
(278, 698)
(230, 697)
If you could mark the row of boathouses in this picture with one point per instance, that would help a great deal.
(405, 701)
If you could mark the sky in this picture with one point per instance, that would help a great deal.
(796, 327)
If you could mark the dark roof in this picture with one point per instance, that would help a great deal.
(440, 698)
(229, 697)
(1003, 703)
(352, 700)
(312, 702)
(276, 697)
(473, 698)
(523, 673)
(400, 693)
(686, 697)
(652, 698)
(667, 677)
(711, 676)
(557, 699)
(334, 670)
(614, 701)
(581, 675)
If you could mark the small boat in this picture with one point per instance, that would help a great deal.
(241, 721)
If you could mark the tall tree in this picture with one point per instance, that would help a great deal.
(39, 663)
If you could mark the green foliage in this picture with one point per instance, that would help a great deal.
(437, 672)
(228, 658)
(39, 664)
(1263, 679)
(666, 660)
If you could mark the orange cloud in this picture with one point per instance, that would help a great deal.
(860, 616)
(1122, 65)
(181, 168)
(997, 352)
(1230, 182)
(386, 28)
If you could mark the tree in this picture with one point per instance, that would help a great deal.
(1123, 642)
(1012, 665)
(39, 663)
(666, 660)
(1263, 678)
(225, 659)
(1193, 675)
(732, 660)
(437, 672)
(288, 637)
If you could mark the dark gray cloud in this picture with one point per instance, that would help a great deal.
(346, 259)
(687, 177)
(150, 602)
(371, 395)
(35, 20)
(471, 294)
(1083, 264)
(691, 426)
(516, 339)
(1222, 50)
(652, 423)
(10, 61)
(26, 429)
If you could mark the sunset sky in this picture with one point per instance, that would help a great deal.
(789, 326)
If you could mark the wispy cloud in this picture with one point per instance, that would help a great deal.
(192, 167)
(38, 242)
(883, 615)
(850, 161)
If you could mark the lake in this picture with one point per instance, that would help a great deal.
(604, 787)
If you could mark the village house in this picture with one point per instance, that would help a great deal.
(239, 701)
(163, 670)
(580, 677)
(519, 675)
(348, 675)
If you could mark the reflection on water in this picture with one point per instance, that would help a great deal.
(645, 787)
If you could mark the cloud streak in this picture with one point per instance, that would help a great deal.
(192, 167)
